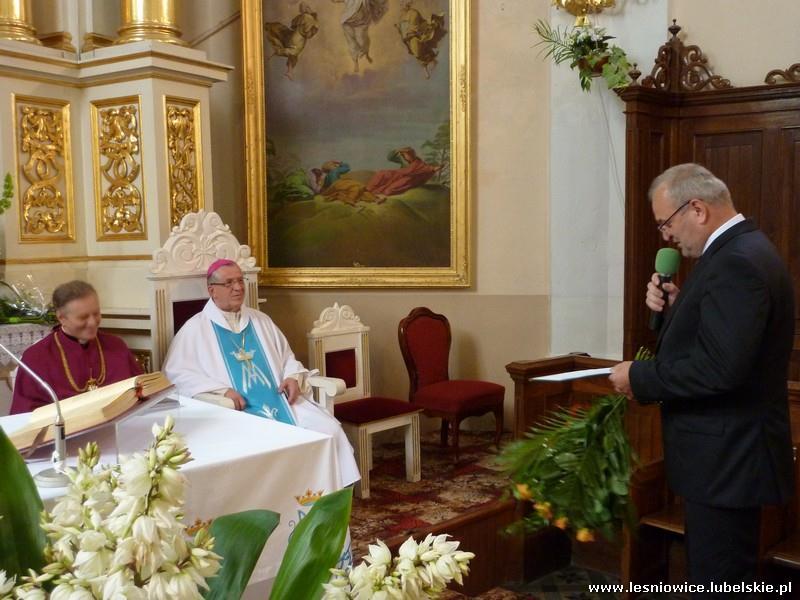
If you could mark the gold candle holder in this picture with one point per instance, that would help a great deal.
(583, 8)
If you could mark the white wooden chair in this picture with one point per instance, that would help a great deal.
(179, 290)
(338, 346)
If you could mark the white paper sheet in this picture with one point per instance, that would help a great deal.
(569, 375)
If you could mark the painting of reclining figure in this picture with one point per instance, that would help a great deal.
(358, 134)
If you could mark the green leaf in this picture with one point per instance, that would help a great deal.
(555, 42)
(314, 548)
(239, 538)
(566, 460)
(22, 540)
(620, 488)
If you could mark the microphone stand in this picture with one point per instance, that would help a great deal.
(55, 476)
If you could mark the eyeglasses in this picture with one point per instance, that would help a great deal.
(665, 224)
(230, 283)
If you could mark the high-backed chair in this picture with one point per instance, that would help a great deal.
(178, 275)
(338, 346)
(425, 343)
(179, 291)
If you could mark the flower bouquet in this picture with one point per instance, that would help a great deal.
(575, 468)
(587, 48)
(118, 533)
(419, 572)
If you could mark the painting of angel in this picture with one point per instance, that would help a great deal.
(358, 139)
(289, 41)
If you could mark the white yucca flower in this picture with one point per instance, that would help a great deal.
(6, 584)
(30, 594)
(117, 532)
(421, 571)
(67, 591)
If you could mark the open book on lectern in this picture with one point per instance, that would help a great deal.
(90, 409)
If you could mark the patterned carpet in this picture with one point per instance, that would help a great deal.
(447, 489)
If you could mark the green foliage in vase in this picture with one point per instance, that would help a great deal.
(588, 50)
(8, 193)
(575, 467)
(24, 304)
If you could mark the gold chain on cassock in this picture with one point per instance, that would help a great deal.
(91, 383)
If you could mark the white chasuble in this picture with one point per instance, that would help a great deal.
(195, 365)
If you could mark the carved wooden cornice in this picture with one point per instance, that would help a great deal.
(790, 75)
(680, 68)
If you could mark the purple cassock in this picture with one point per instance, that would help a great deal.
(67, 365)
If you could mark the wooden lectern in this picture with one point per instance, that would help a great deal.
(534, 399)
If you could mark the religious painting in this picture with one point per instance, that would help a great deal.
(357, 141)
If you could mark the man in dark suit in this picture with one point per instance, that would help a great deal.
(719, 374)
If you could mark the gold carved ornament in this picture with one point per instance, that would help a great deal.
(182, 161)
(42, 137)
(121, 207)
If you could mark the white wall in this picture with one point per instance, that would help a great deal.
(587, 175)
(742, 40)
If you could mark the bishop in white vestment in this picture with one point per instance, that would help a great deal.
(237, 352)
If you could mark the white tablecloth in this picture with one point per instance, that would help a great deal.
(241, 462)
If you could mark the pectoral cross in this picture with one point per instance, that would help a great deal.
(244, 356)
(91, 383)
(250, 372)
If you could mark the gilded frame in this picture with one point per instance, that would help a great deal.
(196, 169)
(65, 177)
(458, 273)
(96, 106)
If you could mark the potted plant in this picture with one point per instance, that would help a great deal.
(587, 48)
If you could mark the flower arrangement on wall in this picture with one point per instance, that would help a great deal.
(587, 49)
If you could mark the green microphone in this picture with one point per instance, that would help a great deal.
(667, 262)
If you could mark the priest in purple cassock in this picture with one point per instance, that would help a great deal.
(76, 357)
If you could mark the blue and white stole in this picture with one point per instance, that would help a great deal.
(251, 375)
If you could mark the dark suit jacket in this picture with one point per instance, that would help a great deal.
(720, 375)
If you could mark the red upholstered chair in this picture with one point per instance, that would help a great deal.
(338, 346)
(425, 343)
